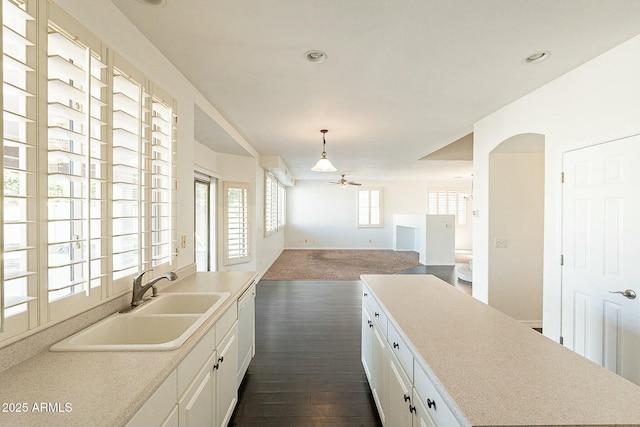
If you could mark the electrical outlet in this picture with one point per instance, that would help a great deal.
(501, 243)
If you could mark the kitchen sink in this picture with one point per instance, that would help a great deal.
(163, 323)
(183, 303)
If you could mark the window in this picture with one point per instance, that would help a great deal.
(143, 150)
(448, 201)
(128, 195)
(236, 223)
(18, 303)
(70, 163)
(76, 191)
(275, 205)
(370, 207)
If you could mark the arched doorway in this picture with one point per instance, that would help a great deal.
(516, 228)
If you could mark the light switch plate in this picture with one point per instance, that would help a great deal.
(501, 243)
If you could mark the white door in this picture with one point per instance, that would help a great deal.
(601, 249)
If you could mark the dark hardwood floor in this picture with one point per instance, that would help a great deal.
(307, 369)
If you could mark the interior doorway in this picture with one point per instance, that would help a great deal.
(205, 223)
(516, 228)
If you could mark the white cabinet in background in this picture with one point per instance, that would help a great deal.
(246, 331)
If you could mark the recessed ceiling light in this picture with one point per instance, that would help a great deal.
(537, 57)
(316, 56)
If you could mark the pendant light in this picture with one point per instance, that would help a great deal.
(323, 165)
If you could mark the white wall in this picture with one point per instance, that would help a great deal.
(516, 210)
(320, 215)
(594, 103)
(106, 21)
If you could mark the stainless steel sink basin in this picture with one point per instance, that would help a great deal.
(164, 323)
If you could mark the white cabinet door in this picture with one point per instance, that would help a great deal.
(246, 330)
(400, 395)
(380, 372)
(172, 419)
(158, 409)
(367, 344)
(196, 407)
(421, 417)
(226, 395)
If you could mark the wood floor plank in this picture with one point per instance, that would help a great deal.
(307, 370)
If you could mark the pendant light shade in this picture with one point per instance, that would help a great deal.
(323, 165)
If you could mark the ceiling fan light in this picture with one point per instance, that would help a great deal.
(323, 165)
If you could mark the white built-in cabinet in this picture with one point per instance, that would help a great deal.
(403, 393)
(374, 353)
(203, 389)
(246, 330)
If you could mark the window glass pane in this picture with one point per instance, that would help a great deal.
(369, 208)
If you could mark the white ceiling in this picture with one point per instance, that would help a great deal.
(402, 78)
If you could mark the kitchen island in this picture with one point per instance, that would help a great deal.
(485, 367)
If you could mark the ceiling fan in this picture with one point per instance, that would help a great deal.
(344, 182)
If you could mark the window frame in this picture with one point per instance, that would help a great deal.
(275, 196)
(368, 209)
(459, 210)
(243, 248)
(86, 97)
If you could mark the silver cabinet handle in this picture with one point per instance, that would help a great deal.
(628, 293)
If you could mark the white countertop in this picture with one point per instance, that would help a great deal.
(103, 388)
(494, 371)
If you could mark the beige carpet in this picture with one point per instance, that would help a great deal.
(310, 264)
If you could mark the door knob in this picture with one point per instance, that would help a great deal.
(628, 293)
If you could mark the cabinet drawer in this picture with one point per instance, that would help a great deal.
(379, 316)
(191, 364)
(399, 347)
(226, 321)
(432, 400)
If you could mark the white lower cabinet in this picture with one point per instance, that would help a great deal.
(435, 405)
(203, 389)
(196, 406)
(226, 377)
(160, 409)
(246, 330)
(404, 395)
(421, 417)
(374, 360)
(400, 395)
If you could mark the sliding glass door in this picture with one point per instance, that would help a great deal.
(204, 212)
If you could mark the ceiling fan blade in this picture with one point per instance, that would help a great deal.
(353, 183)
